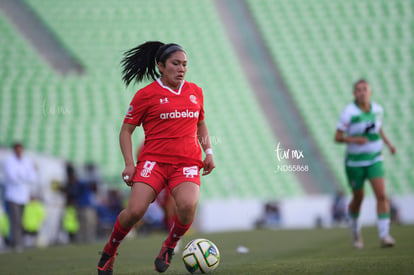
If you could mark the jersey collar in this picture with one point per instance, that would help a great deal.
(169, 89)
(370, 107)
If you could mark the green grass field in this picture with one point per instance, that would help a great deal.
(317, 251)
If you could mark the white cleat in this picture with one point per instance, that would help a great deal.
(358, 244)
(387, 241)
(357, 240)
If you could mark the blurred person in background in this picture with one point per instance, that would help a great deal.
(271, 217)
(360, 127)
(108, 210)
(34, 215)
(80, 192)
(86, 203)
(171, 112)
(70, 216)
(339, 208)
(394, 212)
(4, 228)
(70, 220)
(92, 177)
(19, 176)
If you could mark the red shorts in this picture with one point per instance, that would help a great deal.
(164, 175)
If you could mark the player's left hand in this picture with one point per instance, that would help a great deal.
(393, 150)
(208, 165)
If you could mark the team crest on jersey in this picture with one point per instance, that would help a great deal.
(129, 112)
(164, 100)
(190, 172)
(193, 99)
(146, 170)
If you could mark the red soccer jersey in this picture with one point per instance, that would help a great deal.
(169, 119)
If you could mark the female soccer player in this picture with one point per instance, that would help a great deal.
(360, 127)
(171, 112)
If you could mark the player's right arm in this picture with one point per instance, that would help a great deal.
(125, 141)
(133, 118)
(341, 137)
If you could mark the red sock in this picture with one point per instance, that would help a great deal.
(168, 222)
(117, 235)
(176, 232)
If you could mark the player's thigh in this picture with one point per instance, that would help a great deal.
(375, 174)
(376, 170)
(184, 183)
(356, 177)
(186, 195)
(140, 197)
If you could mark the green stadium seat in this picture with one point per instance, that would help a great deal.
(82, 115)
(321, 47)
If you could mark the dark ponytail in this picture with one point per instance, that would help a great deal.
(141, 61)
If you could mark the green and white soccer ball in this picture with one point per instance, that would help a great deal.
(201, 256)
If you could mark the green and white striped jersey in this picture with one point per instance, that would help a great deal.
(355, 122)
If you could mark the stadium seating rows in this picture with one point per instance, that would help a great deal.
(322, 47)
(79, 117)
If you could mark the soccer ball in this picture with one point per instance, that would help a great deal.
(201, 256)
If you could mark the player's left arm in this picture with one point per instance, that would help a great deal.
(393, 150)
(204, 139)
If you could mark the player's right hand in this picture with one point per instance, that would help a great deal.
(359, 140)
(128, 174)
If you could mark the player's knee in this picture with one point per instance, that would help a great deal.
(382, 198)
(134, 214)
(187, 208)
(357, 199)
